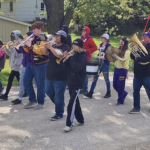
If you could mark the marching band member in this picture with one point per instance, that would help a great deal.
(141, 74)
(36, 68)
(121, 70)
(56, 75)
(2, 64)
(90, 47)
(105, 68)
(66, 29)
(76, 76)
(22, 92)
(15, 64)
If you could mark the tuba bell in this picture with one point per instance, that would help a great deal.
(137, 47)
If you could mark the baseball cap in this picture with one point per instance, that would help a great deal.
(61, 32)
(78, 42)
(105, 35)
(147, 33)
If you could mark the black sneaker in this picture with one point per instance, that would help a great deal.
(134, 111)
(88, 95)
(54, 118)
(16, 101)
(107, 95)
(4, 97)
(83, 92)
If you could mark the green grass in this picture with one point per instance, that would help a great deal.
(113, 40)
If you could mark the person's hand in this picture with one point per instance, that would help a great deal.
(102, 57)
(28, 43)
(48, 46)
(114, 55)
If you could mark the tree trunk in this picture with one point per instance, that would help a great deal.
(55, 14)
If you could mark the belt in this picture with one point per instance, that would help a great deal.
(43, 62)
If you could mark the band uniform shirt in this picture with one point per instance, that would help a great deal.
(123, 62)
(141, 70)
(57, 72)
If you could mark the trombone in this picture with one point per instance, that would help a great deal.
(17, 47)
(64, 58)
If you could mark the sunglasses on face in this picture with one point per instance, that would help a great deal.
(83, 29)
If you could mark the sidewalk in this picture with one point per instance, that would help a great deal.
(107, 127)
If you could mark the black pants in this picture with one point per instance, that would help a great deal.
(74, 107)
(10, 80)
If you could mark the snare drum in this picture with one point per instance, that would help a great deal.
(92, 68)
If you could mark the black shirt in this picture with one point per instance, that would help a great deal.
(139, 69)
(77, 70)
(57, 72)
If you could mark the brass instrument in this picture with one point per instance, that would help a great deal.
(64, 58)
(137, 47)
(7, 45)
(110, 51)
(42, 44)
(22, 43)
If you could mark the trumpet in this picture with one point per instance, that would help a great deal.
(43, 43)
(7, 45)
(17, 47)
(64, 58)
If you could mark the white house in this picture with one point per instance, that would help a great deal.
(23, 10)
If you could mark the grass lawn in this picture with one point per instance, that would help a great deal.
(114, 41)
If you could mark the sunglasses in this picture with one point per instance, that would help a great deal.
(83, 29)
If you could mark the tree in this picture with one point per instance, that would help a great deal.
(57, 15)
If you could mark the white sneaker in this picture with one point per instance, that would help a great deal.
(67, 129)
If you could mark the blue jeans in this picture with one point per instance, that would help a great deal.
(0, 83)
(105, 70)
(38, 72)
(55, 90)
(137, 84)
(85, 85)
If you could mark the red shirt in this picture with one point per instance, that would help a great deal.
(88, 44)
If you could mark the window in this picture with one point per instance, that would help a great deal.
(11, 6)
(42, 6)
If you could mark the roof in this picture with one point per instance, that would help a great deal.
(15, 21)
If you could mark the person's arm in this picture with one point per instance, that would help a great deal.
(15, 53)
(49, 46)
(92, 46)
(126, 56)
(132, 56)
(77, 66)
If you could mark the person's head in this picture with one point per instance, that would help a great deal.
(146, 38)
(77, 45)
(61, 37)
(123, 46)
(14, 36)
(65, 28)
(27, 34)
(37, 27)
(105, 38)
(85, 31)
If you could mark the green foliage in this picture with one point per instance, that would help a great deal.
(110, 15)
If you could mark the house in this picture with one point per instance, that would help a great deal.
(23, 10)
(7, 25)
